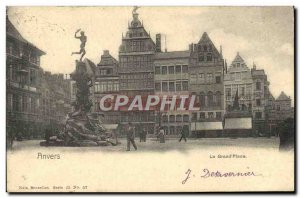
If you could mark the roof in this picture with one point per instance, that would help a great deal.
(107, 59)
(14, 33)
(283, 96)
(259, 72)
(238, 59)
(172, 55)
(205, 38)
(206, 126)
(238, 123)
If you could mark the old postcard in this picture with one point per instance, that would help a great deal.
(150, 99)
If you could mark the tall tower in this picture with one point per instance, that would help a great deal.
(136, 68)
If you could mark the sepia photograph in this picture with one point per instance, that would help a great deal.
(110, 99)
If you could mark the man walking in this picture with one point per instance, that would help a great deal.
(130, 136)
(184, 132)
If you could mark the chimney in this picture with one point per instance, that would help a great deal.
(105, 52)
(158, 43)
(191, 47)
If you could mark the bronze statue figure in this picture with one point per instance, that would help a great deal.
(83, 40)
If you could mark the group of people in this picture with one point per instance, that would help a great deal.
(130, 132)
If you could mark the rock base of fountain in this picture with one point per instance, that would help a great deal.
(82, 128)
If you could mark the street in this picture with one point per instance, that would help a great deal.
(153, 144)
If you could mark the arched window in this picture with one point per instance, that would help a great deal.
(178, 118)
(186, 118)
(172, 118)
(218, 98)
(202, 100)
(210, 98)
(164, 118)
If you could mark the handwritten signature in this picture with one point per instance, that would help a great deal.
(206, 173)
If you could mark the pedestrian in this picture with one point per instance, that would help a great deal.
(144, 135)
(130, 136)
(183, 132)
(141, 134)
(162, 135)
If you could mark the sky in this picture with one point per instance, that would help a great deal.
(261, 35)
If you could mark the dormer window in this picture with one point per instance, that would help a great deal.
(209, 57)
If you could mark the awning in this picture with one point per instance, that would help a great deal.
(110, 126)
(206, 126)
(238, 123)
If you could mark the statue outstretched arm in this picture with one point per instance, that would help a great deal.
(76, 33)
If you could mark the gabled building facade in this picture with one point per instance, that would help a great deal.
(106, 82)
(206, 69)
(136, 55)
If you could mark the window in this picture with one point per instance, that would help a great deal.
(210, 98)
(278, 107)
(193, 78)
(165, 86)
(32, 76)
(201, 78)
(238, 75)
(202, 99)
(210, 114)
(194, 116)
(164, 70)
(178, 118)
(185, 86)
(184, 69)
(218, 98)
(178, 86)
(172, 130)
(201, 57)
(228, 93)
(199, 48)
(171, 86)
(238, 65)
(157, 70)
(172, 118)
(209, 57)
(258, 86)
(218, 115)
(242, 91)
(171, 69)
(186, 118)
(209, 77)
(164, 118)
(210, 48)
(218, 78)
(258, 102)
(258, 115)
(178, 129)
(202, 115)
(205, 48)
(178, 69)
